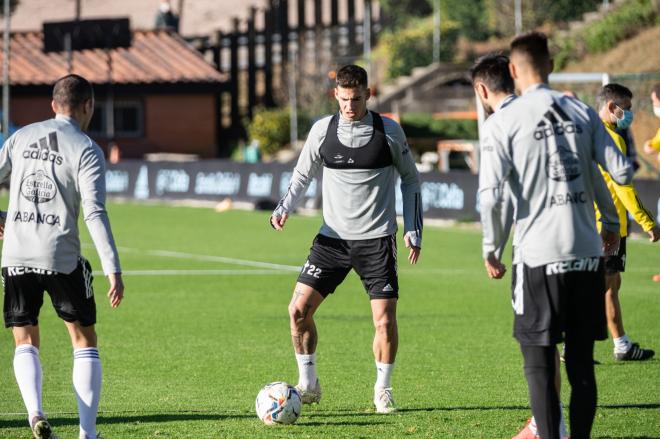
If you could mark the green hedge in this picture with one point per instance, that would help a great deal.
(620, 24)
(412, 46)
(601, 36)
(423, 125)
(270, 127)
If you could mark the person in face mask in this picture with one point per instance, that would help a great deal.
(614, 102)
(653, 145)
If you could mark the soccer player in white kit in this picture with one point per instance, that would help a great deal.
(53, 169)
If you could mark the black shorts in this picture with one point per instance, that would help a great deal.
(374, 260)
(617, 263)
(72, 294)
(554, 299)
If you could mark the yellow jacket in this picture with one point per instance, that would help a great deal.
(624, 196)
(655, 142)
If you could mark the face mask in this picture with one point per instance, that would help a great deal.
(626, 120)
(656, 111)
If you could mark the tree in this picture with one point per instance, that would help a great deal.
(398, 12)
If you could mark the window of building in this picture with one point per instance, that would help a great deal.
(129, 119)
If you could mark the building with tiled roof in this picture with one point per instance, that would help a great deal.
(166, 94)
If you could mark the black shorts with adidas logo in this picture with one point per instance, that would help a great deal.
(72, 294)
(374, 260)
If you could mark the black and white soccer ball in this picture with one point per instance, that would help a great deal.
(278, 403)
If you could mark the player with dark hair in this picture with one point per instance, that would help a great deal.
(362, 155)
(494, 85)
(614, 103)
(55, 169)
(545, 148)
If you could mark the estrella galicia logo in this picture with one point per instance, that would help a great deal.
(563, 165)
(47, 150)
(38, 187)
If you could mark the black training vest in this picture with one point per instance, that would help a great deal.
(374, 155)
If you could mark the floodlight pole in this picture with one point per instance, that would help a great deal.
(293, 98)
(68, 42)
(518, 16)
(366, 35)
(5, 73)
(436, 31)
(109, 102)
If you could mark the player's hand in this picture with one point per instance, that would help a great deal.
(610, 242)
(116, 292)
(654, 233)
(278, 221)
(413, 256)
(494, 267)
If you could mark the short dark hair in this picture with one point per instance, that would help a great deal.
(493, 70)
(534, 46)
(71, 91)
(352, 76)
(612, 92)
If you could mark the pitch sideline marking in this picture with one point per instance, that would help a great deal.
(211, 272)
(207, 258)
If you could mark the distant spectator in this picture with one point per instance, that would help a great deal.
(653, 145)
(251, 153)
(166, 19)
(114, 153)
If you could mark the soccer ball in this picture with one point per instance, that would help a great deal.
(278, 403)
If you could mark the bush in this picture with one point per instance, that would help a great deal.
(412, 46)
(623, 23)
(423, 125)
(601, 36)
(270, 127)
(397, 13)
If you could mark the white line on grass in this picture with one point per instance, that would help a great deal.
(207, 258)
(166, 272)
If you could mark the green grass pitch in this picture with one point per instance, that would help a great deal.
(199, 333)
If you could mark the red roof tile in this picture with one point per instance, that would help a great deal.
(154, 57)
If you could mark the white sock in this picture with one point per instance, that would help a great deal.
(562, 424)
(622, 344)
(532, 426)
(383, 375)
(87, 385)
(29, 376)
(306, 370)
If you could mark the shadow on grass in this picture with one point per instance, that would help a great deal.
(349, 412)
(127, 418)
(627, 437)
(339, 423)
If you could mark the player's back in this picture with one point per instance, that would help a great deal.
(551, 142)
(47, 160)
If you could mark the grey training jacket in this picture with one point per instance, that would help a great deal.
(53, 168)
(544, 145)
(359, 203)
